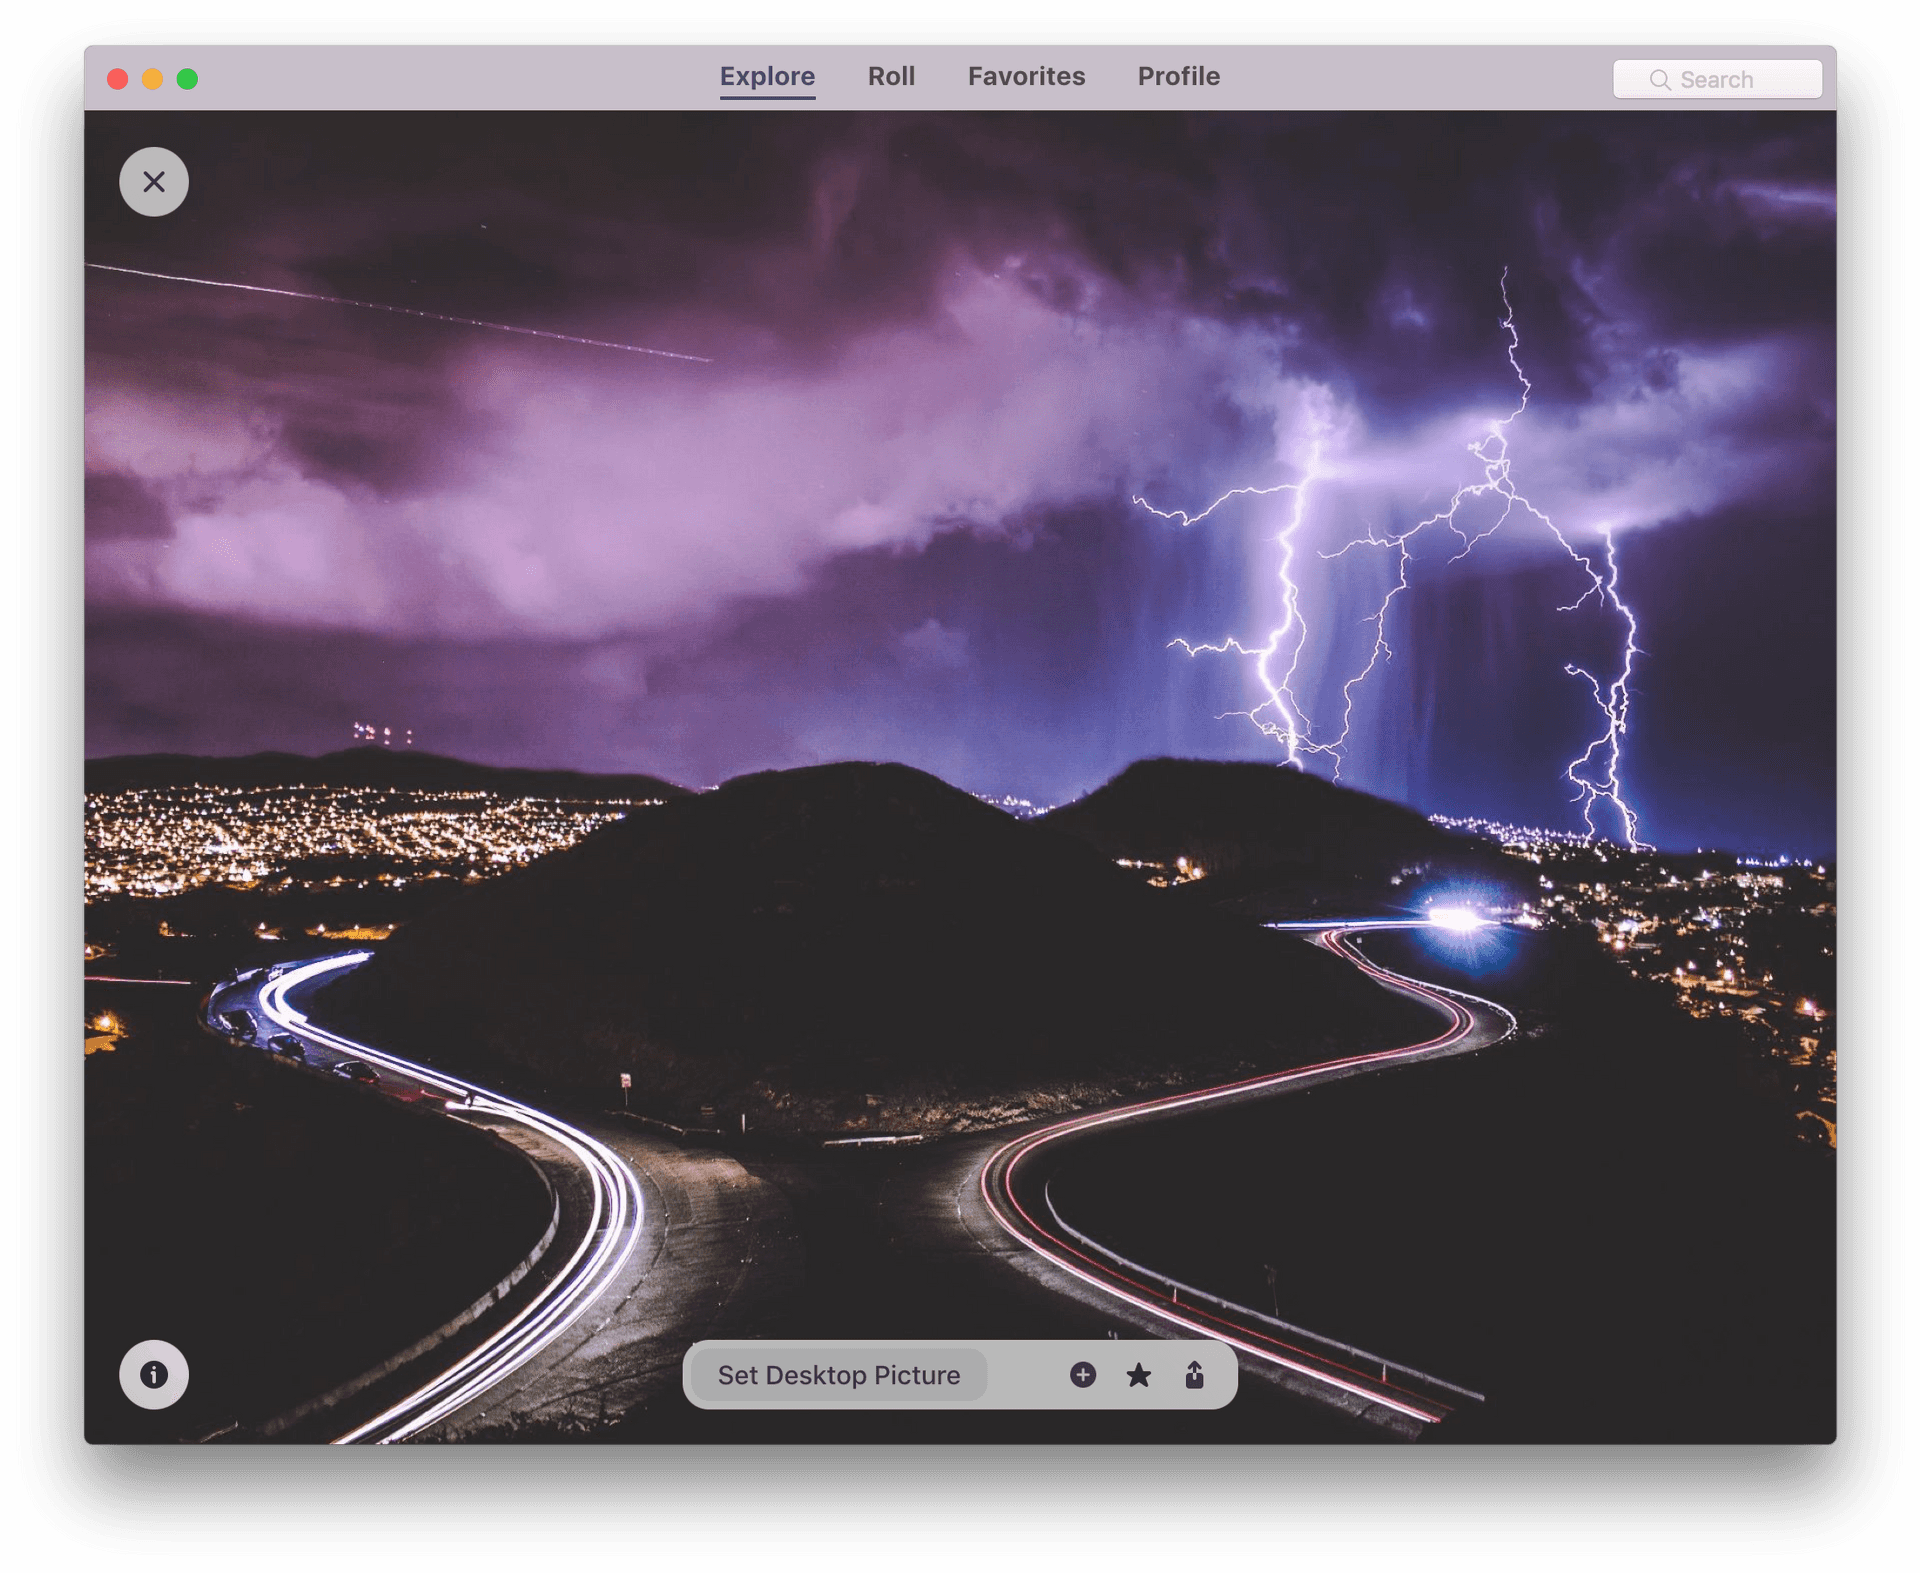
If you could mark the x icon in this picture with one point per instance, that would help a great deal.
(153, 183)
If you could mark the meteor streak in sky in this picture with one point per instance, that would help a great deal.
(407, 311)
(1595, 772)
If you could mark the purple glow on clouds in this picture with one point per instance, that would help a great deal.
(600, 503)
(890, 518)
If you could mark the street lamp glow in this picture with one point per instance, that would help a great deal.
(1461, 920)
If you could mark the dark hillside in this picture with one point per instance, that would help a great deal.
(1272, 831)
(843, 944)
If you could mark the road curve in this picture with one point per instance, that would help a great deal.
(613, 1229)
(1015, 1191)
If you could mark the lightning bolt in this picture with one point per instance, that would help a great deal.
(1288, 722)
(1595, 773)
(405, 311)
(1604, 751)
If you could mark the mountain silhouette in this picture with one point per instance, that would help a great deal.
(1263, 830)
(849, 932)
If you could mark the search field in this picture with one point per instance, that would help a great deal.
(1717, 79)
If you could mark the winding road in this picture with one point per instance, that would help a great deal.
(613, 1227)
(1013, 1186)
(599, 1336)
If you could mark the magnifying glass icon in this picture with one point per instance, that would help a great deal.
(1659, 79)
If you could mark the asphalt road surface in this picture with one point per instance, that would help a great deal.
(663, 1242)
(1013, 1185)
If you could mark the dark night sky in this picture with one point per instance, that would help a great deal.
(892, 518)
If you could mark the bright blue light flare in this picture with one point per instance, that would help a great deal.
(1460, 938)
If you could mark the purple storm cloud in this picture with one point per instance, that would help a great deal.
(891, 517)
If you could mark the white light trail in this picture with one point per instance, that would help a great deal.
(613, 1229)
(997, 1175)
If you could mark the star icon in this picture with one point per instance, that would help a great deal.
(1137, 1377)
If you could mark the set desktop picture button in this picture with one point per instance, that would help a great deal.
(153, 1374)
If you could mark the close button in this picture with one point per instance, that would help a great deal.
(153, 182)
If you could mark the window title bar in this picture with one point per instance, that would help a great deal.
(954, 77)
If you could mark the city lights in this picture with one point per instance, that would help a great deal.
(1742, 940)
(1182, 871)
(165, 840)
